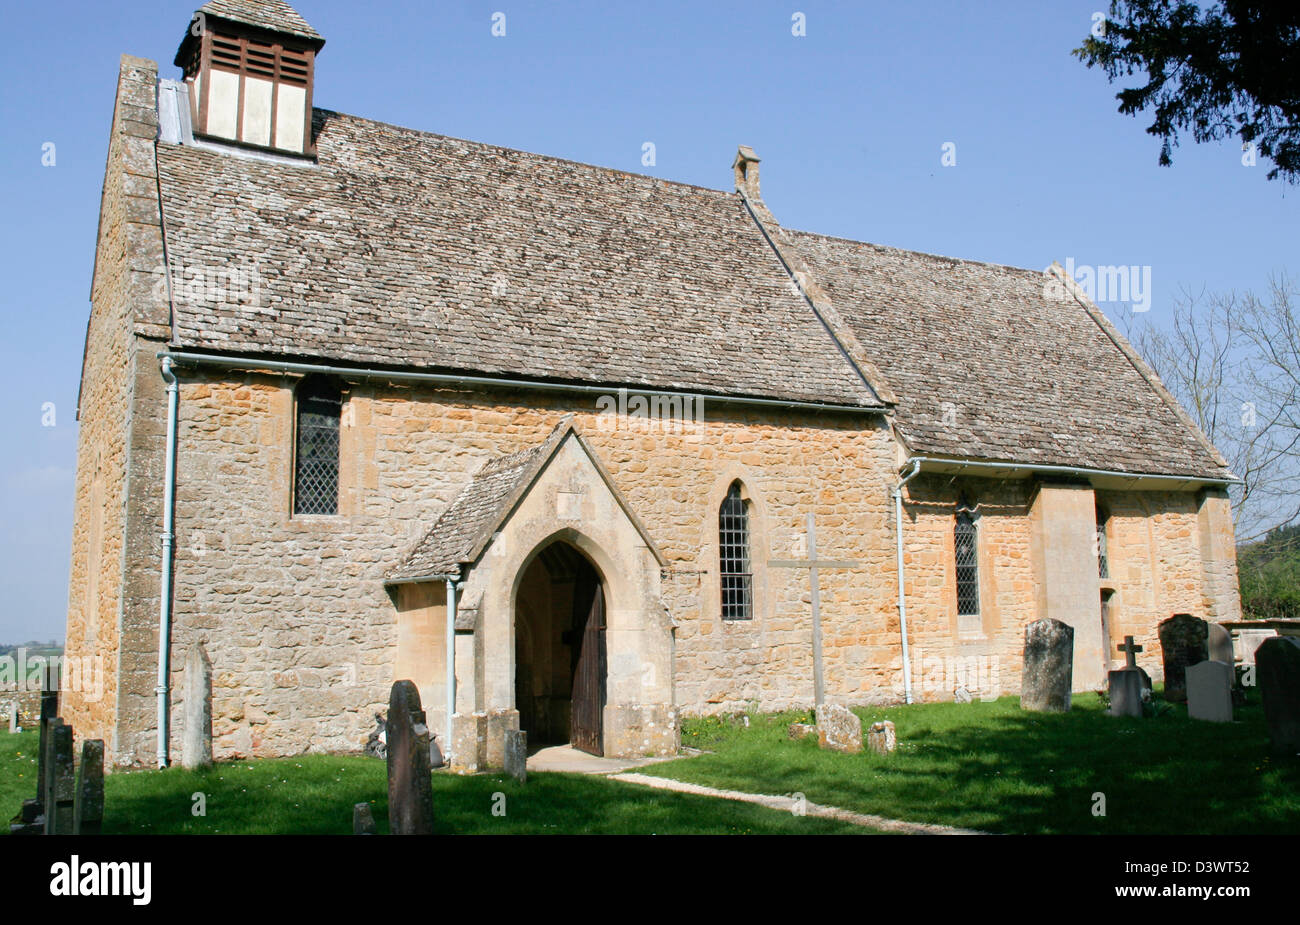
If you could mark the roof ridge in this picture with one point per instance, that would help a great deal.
(906, 250)
(722, 194)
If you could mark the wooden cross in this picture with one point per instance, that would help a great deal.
(813, 564)
(1130, 652)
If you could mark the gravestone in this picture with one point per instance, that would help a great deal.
(49, 713)
(1209, 692)
(363, 820)
(800, 730)
(1128, 686)
(60, 779)
(1184, 642)
(88, 806)
(14, 725)
(196, 744)
(376, 743)
(1219, 643)
(881, 737)
(1277, 671)
(516, 758)
(29, 820)
(1048, 672)
(410, 789)
(839, 728)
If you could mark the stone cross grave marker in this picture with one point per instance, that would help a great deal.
(1277, 668)
(813, 565)
(1209, 691)
(1184, 641)
(60, 780)
(1048, 672)
(410, 790)
(88, 804)
(1125, 685)
(196, 742)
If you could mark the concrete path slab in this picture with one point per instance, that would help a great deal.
(567, 758)
(787, 804)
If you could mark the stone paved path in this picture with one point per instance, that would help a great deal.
(567, 758)
(785, 804)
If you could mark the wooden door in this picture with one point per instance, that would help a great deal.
(588, 706)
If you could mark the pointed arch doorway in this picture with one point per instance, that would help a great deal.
(561, 654)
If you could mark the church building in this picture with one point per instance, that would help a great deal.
(577, 451)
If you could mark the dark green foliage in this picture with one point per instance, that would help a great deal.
(1232, 68)
(1269, 573)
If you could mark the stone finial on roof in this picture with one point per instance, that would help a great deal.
(746, 168)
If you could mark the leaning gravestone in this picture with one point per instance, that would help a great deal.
(88, 805)
(60, 780)
(410, 790)
(1209, 692)
(839, 728)
(1127, 686)
(1219, 643)
(1277, 670)
(1184, 642)
(1048, 672)
(516, 758)
(196, 744)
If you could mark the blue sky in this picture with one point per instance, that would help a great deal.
(849, 119)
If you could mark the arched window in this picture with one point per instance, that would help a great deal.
(733, 554)
(966, 549)
(316, 461)
(1103, 560)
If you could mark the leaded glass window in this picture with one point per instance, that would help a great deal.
(316, 462)
(1103, 561)
(965, 545)
(733, 548)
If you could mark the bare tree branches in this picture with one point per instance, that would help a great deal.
(1234, 362)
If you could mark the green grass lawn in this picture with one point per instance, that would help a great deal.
(314, 794)
(994, 767)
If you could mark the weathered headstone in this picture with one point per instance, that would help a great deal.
(1219, 642)
(363, 820)
(410, 789)
(29, 820)
(1209, 691)
(1277, 670)
(1048, 672)
(196, 741)
(60, 779)
(881, 737)
(516, 758)
(376, 743)
(1128, 685)
(839, 728)
(49, 713)
(88, 806)
(15, 726)
(1184, 641)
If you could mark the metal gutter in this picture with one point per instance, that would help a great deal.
(168, 539)
(183, 357)
(1073, 470)
(902, 596)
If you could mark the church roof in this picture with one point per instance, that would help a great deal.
(408, 249)
(985, 365)
(274, 15)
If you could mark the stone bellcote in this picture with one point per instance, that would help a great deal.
(250, 66)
